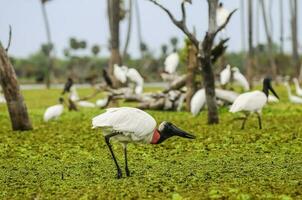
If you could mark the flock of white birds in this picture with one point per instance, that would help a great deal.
(228, 76)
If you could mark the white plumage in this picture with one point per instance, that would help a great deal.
(240, 79)
(171, 63)
(101, 103)
(225, 75)
(197, 102)
(221, 15)
(53, 112)
(135, 77)
(120, 73)
(292, 98)
(249, 101)
(74, 94)
(135, 125)
(86, 104)
(298, 89)
(272, 99)
(226, 95)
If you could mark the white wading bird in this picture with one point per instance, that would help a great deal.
(253, 102)
(86, 104)
(240, 79)
(74, 94)
(197, 102)
(292, 98)
(298, 89)
(131, 125)
(120, 73)
(54, 112)
(225, 75)
(226, 95)
(171, 63)
(221, 15)
(101, 103)
(134, 76)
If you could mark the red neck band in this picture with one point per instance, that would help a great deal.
(155, 137)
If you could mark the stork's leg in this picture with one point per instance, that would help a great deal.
(259, 120)
(126, 160)
(107, 139)
(244, 120)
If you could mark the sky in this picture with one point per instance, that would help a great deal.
(87, 20)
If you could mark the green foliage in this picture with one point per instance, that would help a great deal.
(174, 42)
(66, 159)
(95, 49)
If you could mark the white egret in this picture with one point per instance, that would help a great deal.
(225, 75)
(240, 79)
(298, 89)
(132, 125)
(101, 103)
(134, 76)
(73, 94)
(253, 102)
(226, 95)
(54, 112)
(171, 63)
(197, 102)
(221, 16)
(292, 98)
(119, 73)
(86, 104)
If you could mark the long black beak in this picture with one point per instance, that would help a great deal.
(273, 91)
(178, 132)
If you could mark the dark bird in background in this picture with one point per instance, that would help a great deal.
(106, 77)
(67, 86)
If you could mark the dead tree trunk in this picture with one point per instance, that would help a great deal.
(191, 74)
(294, 30)
(250, 61)
(114, 25)
(206, 64)
(204, 51)
(269, 42)
(49, 44)
(15, 103)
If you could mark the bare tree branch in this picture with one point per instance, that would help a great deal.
(179, 23)
(9, 38)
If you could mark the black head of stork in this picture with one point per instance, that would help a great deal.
(61, 100)
(267, 86)
(68, 85)
(167, 130)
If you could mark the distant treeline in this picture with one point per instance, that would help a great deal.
(85, 69)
